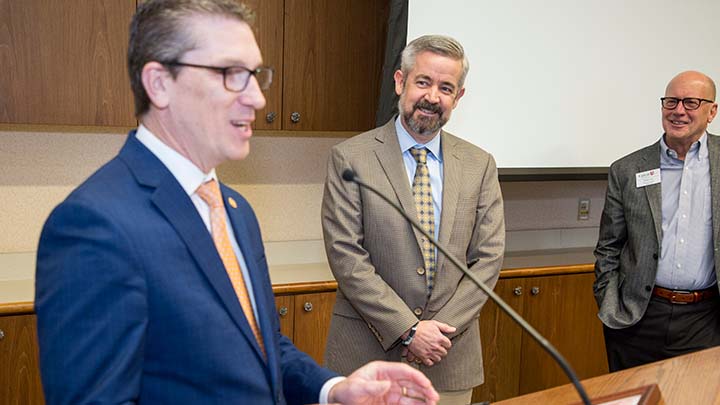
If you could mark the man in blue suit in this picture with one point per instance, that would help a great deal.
(136, 297)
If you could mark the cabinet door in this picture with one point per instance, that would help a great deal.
(312, 322)
(334, 50)
(501, 339)
(64, 62)
(19, 368)
(286, 312)
(268, 28)
(562, 309)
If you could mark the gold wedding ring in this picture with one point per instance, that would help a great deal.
(404, 391)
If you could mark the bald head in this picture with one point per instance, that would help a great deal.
(683, 126)
(696, 79)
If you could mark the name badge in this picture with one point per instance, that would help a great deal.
(647, 178)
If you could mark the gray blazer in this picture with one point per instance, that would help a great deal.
(376, 259)
(630, 238)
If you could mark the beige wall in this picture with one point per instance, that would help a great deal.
(282, 179)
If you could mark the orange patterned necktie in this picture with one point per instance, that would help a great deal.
(210, 193)
(422, 192)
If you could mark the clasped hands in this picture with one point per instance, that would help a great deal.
(430, 345)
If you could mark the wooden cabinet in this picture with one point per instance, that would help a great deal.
(64, 62)
(305, 319)
(327, 56)
(557, 302)
(19, 369)
(562, 308)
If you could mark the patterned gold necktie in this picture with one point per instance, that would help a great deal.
(210, 193)
(426, 213)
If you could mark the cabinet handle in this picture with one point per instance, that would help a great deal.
(270, 117)
(517, 291)
(283, 311)
(2, 334)
(307, 307)
(535, 290)
(295, 117)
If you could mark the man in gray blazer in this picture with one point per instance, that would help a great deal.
(657, 261)
(398, 298)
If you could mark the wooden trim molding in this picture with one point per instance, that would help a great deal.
(20, 308)
(16, 308)
(302, 288)
(548, 271)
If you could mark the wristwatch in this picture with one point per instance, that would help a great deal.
(406, 342)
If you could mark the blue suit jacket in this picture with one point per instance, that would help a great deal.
(134, 305)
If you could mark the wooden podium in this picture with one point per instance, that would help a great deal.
(690, 379)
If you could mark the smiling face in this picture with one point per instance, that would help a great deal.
(196, 115)
(683, 127)
(428, 94)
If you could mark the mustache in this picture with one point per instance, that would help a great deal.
(425, 105)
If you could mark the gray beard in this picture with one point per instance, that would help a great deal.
(424, 126)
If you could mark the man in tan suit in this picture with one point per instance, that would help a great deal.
(398, 298)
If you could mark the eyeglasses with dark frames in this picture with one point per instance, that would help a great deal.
(690, 103)
(235, 78)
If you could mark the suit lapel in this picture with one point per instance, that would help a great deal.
(452, 179)
(714, 156)
(651, 160)
(259, 289)
(390, 158)
(178, 209)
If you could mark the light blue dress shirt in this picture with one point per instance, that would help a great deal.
(687, 258)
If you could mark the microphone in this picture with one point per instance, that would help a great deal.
(349, 175)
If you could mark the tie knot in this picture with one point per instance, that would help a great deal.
(420, 155)
(210, 193)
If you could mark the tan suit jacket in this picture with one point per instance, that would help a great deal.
(376, 259)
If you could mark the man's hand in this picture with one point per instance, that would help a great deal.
(430, 344)
(381, 382)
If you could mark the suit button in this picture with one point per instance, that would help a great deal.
(655, 256)
(421, 270)
(648, 288)
(418, 311)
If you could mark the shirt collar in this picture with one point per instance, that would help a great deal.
(407, 141)
(698, 149)
(185, 172)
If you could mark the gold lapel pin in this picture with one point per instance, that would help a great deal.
(232, 202)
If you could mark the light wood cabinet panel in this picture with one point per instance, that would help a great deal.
(307, 320)
(564, 311)
(312, 322)
(501, 340)
(19, 368)
(286, 313)
(334, 51)
(64, 62)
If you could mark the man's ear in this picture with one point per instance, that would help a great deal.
(156, 79)
(713, 112)
(458, 97)
(399, 82)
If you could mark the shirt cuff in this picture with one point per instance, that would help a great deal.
(325, 391)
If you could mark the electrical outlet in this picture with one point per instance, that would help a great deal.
(583, 209)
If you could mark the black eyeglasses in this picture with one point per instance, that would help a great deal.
(236, 78)
(690, 103)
